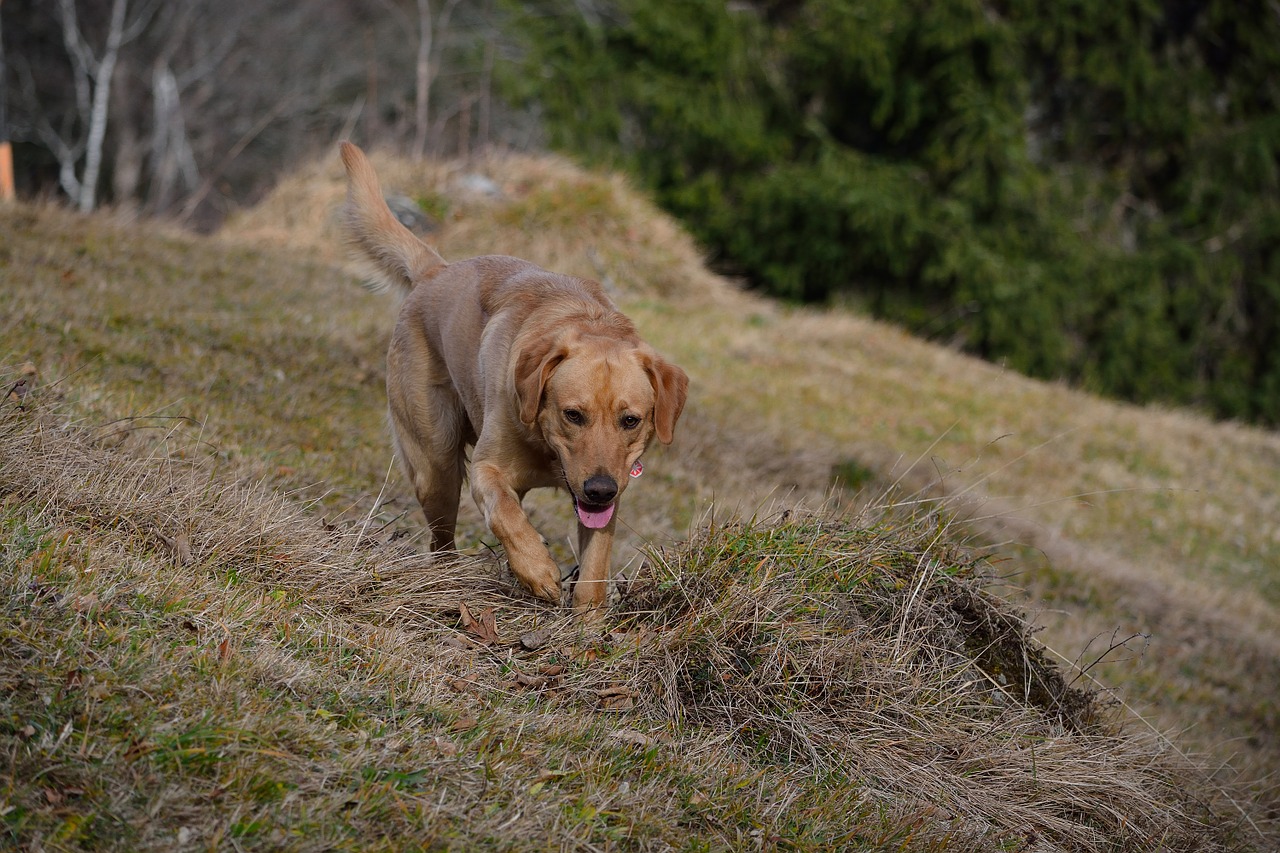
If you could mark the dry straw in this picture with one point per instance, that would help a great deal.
(802, 680)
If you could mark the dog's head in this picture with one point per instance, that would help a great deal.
(598, 402)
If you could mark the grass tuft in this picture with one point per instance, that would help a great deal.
(802, 682)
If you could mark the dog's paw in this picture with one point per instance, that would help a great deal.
(547, 589)
(542, 580)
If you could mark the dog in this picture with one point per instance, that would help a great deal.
(537, 372)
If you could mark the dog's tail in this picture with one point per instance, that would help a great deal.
(399, 259)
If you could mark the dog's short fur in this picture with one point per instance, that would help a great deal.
(538, 371)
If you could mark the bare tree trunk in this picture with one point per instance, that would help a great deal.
(486, 96)
(422, 99)
(372, 113)
(464, 129)
(92, 79)
(164, 110)
(173, 165)
(101, 103)
(430, 45)
(126, 171)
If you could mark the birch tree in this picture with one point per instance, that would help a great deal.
(431, 30)
(187, 108)
(93, 72)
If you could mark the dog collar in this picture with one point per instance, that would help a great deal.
(637, 469)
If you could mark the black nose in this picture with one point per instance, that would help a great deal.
(600, 490)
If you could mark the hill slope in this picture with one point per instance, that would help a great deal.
(276, 655)
(1148, 522)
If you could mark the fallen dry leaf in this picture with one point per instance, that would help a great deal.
(27, 374)
(179, 546)
(551, 670)
(458, 641)
(535, 640)
(617, 698)
(616, 690)
(484, 628)
(18, 393)
(463, 685)
(533, 681)
(464, 724)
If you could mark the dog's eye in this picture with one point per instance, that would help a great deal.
(630, 422)
(575, 417)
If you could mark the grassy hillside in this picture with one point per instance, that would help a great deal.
(220, 630)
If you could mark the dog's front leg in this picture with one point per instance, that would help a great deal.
(528, 557)
(595, 549)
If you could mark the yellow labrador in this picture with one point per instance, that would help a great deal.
(538, 371)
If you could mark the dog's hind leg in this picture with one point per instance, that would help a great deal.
(430, 430)
(436, 476)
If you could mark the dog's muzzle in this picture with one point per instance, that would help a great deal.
(595, 507)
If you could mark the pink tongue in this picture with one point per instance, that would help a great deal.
(594, 518)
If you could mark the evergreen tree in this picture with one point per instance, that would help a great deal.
(1084, 190)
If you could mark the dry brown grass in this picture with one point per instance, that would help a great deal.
(1120, 521)
(544, 208)
(193, 662)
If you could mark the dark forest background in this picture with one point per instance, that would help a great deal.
(1086, 190)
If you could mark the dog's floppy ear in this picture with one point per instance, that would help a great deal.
(670, 390)
(535, 362)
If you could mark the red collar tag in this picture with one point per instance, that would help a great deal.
(637, 469)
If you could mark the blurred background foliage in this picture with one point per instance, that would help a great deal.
(1086, 190)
